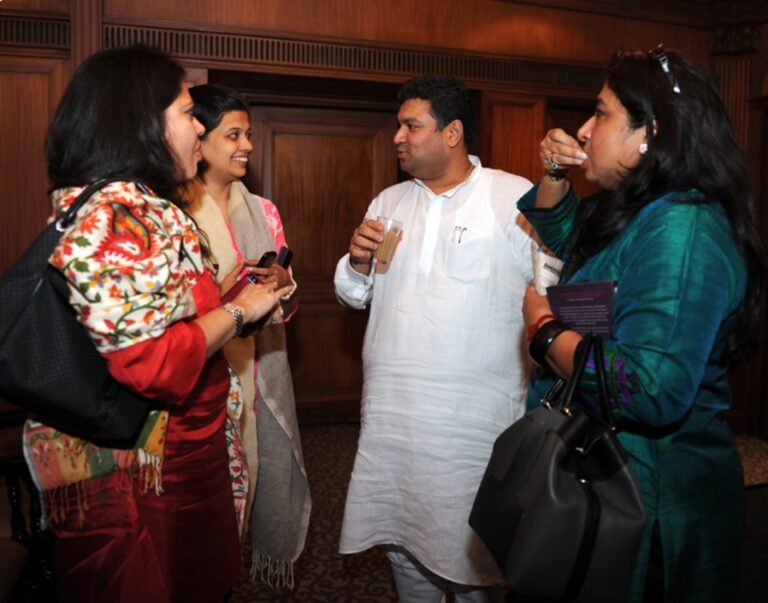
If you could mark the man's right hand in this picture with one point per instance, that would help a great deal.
(365, 241)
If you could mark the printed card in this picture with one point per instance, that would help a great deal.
(584, 307)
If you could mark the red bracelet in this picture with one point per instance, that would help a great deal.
(535, 326)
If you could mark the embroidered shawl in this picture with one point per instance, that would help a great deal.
(131, 260)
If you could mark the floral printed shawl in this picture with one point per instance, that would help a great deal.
(131, 260)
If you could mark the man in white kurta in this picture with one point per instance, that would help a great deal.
(445, 369)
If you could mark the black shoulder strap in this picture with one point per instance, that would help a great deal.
(87, 193)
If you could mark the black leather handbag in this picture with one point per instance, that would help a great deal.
(48, 362)
(559, 507)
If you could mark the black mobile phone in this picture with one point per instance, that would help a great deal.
(265, 261)
(284, 257)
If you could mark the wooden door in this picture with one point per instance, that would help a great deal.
(512, 126)
(29, 91)
(322, 167)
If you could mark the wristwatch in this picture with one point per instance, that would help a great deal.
(237, 314)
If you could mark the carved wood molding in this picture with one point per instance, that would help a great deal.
(86, 17)
(52, 34)
(734, 39)
(35, 32)
(263, 52)
(692, 13)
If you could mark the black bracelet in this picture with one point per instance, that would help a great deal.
(543, 338)
(556, 175)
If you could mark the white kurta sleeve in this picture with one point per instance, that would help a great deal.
(352, 288)
(507, 190)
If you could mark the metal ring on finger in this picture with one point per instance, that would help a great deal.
(553, 165)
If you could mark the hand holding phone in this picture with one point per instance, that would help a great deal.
(265, 261)
(272, 266)
(284, 257)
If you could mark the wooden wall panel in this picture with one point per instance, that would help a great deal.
(29, 89)
(512, 126)
(733, 77)
(751, 381)
(484, 26)
(322, 168)
(320, 165)
(36, 6)
(86, 20)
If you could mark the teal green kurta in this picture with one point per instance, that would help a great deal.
(679, 279)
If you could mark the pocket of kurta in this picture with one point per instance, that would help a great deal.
(468, 254)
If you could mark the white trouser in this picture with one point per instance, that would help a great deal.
(416, 584)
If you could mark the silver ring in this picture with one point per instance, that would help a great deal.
(553, 165)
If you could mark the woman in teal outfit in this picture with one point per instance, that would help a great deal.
(672, 227)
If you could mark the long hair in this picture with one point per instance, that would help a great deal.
(448, 98)
(110, 121)
(694, 147)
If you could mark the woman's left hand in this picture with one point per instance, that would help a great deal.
(232, 277)
(561, 351)
(534, 306)
(274, 273)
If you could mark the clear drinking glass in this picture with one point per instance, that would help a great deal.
(393, 229)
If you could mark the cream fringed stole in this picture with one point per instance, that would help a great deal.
(279, 501)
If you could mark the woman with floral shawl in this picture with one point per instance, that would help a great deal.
(154, 522)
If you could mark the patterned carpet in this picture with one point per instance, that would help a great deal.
(322, 575)
(754, 458)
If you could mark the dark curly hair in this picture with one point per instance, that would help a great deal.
(449, 100)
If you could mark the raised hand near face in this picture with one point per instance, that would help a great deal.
(560, 151)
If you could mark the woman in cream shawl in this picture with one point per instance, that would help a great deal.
(273, 493)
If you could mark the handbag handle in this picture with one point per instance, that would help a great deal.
(581, 356)
(602, 383)
(69, 216)
(579, 363)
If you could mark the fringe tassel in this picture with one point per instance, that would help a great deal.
(81, 497)
(273, 572)
(58, 502)
(150, 472)
(55, 502)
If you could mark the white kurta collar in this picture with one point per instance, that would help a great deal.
(434, 214)
(473, 176)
